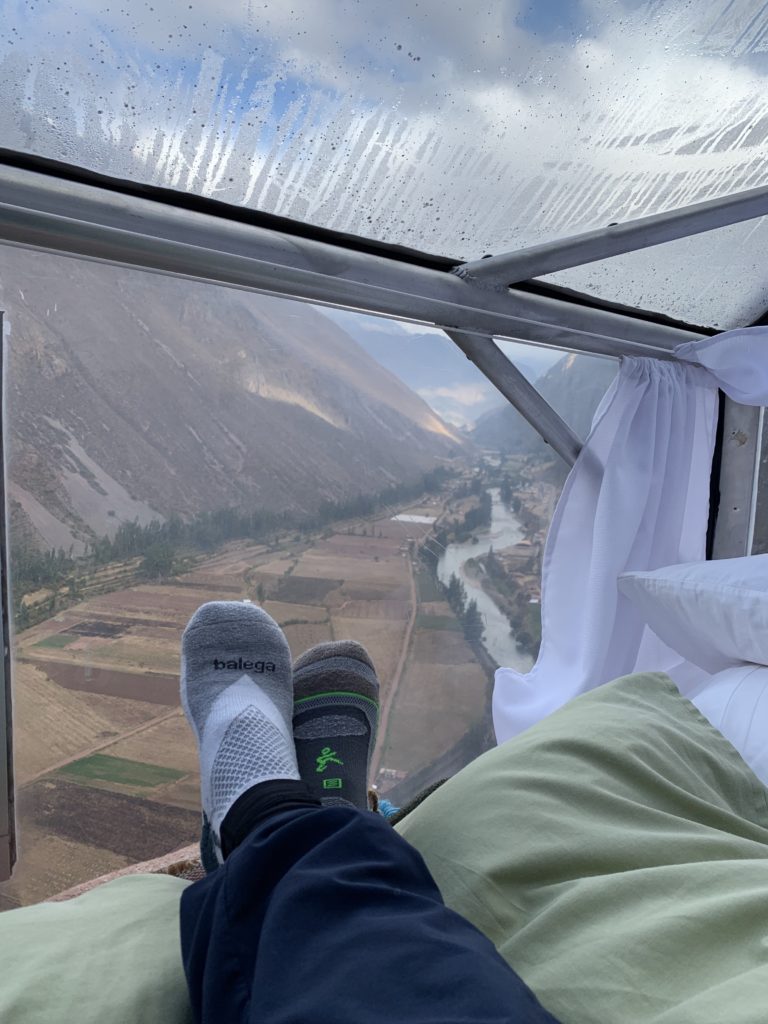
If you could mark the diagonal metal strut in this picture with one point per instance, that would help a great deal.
(524, 264)
(506, 378)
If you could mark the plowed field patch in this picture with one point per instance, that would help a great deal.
(155, 689)
(127, 825)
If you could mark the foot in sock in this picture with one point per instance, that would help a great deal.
(335, 713)
(237, 694)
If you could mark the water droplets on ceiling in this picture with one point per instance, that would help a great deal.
(452, 127)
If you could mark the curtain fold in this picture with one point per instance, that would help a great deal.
(636, 499)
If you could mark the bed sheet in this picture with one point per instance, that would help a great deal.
(617, 855)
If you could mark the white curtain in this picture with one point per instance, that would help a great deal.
(636, 499)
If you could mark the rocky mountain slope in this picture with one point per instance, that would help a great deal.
(574, 387)
(134, 396)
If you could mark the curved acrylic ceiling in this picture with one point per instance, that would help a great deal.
(450, 126)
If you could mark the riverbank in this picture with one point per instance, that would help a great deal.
(518, 594)
(505, 530)
(499, 566)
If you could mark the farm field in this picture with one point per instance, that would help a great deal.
(106, 765)
(55, 724)
(442, 695)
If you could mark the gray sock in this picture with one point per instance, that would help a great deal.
(237, 694)
(335, 713)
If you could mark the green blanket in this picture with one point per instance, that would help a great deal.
(617, 855)
(110, 956)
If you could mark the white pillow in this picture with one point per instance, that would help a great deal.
(736, 702)
(714, 614)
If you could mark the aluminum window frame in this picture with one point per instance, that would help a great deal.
(741, 448)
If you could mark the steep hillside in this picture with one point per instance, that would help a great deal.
(133, 395)
(574, 387)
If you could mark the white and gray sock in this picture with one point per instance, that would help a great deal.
(237, 693)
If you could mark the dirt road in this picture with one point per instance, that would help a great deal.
(99, 746)
(391, 695)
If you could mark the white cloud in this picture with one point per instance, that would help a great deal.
(380, 324)
(409, 328)
(465, 395)
(531, 360)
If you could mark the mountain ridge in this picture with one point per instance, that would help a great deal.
(136, 396)
(574, 387)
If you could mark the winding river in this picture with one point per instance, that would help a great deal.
(503, 531)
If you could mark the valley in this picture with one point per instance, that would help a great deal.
(106, 767)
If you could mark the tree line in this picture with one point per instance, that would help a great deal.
(465, 611)
(508, 488)
(158, 543)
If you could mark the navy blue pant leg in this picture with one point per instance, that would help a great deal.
(327, 916)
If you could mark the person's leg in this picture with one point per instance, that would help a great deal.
(319, 914)
(327, 915)
(335, 715)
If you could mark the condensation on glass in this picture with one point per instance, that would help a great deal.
(457, 129)
(715, 279)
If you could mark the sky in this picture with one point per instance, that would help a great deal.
(453, 126)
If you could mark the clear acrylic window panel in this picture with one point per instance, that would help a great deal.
(454, 130)
(572, 383)
(170, 443)
(715, 279)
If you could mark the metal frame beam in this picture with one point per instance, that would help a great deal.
(40, 211)
(7, 817)
(505, 376)
(509, 268)
(739, 473)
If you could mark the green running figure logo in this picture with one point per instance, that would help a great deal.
(327, 756)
